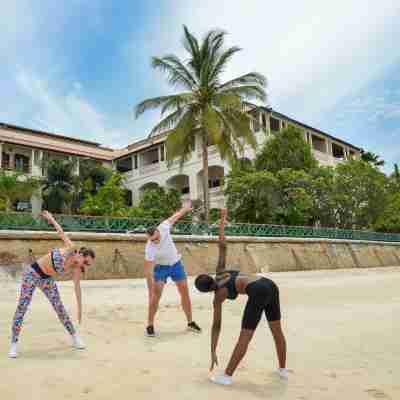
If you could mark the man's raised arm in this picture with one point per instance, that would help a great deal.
(186, 208)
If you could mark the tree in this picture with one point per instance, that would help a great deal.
(207, 108)
(359, 194)
(15, 186)
(265, 198)
(322, 190)
(59, 187)
(159, 203)
(288, 149)
(252, 197)
(295, 200)
(109, 199)
(372, 158)
(92, 176)
(389, 219)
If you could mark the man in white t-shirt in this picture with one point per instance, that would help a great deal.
(162, 261)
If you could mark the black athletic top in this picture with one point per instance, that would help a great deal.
(230, 284)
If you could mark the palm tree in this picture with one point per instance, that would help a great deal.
(372, 158)
(213, 111)
(59, 186)
(16, 186)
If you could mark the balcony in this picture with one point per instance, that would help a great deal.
(19, 164)
(149, 169)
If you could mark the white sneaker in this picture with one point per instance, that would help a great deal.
(283, 373)
(77, 342)
(13, 351)
(222, 379)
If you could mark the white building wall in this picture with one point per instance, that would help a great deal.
(160, 174)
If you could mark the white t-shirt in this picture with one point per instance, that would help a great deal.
(165, 252)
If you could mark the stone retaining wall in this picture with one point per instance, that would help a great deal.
(121, 255)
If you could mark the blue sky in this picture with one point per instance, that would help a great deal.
(79, 67)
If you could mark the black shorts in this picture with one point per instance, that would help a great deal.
(263, 297)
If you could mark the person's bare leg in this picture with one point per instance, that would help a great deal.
(280, 342)
(154, 301)
(185, 299)
(240, 350)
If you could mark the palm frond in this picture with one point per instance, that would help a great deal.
(151, 104)
(191, 44)
(176, 102)
(212, 125)
(251, 78)
(181, 68)
(169, 122)
(181, 137)
(246, 92)
(222, 61)
(175, 76)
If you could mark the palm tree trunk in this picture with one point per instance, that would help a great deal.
(206, 193)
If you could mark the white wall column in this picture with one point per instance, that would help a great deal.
(36, 162)
(194, 194)
(12, 159)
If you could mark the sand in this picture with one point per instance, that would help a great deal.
(342, 328)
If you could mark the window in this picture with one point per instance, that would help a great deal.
(283, 124)
(128, 198)
(22, 163)
(214, 182)
(274, 124)
(256, 121)
(264, 122)
(318, 143)
(337, 151)
(135, 161)
(5, 161)
(124, 164)
(162, 151)
(185, 190)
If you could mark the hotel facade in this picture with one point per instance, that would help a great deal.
(143, 163)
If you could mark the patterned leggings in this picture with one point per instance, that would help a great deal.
(30, 280)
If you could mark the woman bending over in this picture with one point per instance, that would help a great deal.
(59, 261)
(263, 297)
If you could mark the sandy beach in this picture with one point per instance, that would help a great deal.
(342, 328)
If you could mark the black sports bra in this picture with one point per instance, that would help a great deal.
(230, 284)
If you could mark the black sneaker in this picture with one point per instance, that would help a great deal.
(150, 331)
(192, 326)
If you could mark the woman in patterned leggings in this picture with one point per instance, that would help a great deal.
(41, 274)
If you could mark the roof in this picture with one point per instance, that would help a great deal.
(85, 148)
(35, 131)
(270, 109)
(57, 143)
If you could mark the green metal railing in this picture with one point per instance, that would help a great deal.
(77, 223)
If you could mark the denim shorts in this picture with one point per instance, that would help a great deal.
(176, 272)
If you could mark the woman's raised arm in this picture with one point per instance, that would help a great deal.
(50, 219)
(222, 244)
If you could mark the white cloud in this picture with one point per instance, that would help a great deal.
(313, 52)
(68, 113)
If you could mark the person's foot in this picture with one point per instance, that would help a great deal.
(192, 326)
(13, 351)
(77, 342)
(150, 331)
(283, 373)
(222, 379)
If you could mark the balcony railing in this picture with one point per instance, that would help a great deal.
(75, 223)
(148, 169)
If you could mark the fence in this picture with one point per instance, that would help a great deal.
(77, 223)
